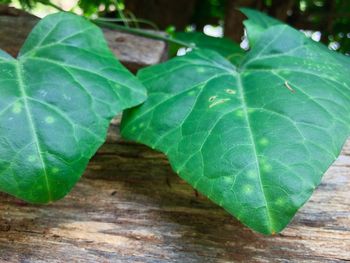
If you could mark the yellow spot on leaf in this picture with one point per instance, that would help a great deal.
(239, 113)
(247, 189)
(32, 158)
(280, 201)
(191, 93)
(55, 170)
(264, 141)
(49, 119)
(267, 167)
(17, 108)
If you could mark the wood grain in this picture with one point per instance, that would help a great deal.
(130, 207)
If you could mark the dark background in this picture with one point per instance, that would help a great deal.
(330, 19)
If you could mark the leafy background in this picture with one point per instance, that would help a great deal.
(327, 21)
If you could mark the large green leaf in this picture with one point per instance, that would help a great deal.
(56, 102)
(257, 23)
(222, 45)
(257, 138)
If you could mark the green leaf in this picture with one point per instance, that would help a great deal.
(257, 138)
(257, 23)
(222, 45)
(56, 102)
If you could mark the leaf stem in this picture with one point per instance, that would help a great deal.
(121, 13)
(134, 31)
(135, 20)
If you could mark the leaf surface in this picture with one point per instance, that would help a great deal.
(56, 101)
(257, 23)
(257, 138)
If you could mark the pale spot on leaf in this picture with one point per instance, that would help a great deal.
(191, 93)
(264, 141)
(280, 201)
(200, 70)
(49, 119)
(230, 91)
(229, 179)
(247, 189)
(251, 110)
(267, 167)
(17, 108)
(252, 174)
(55, 170)
(32, 158)
(218, 102)
(239, 113)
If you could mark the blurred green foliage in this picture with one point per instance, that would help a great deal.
(26, 4)
(329, 17)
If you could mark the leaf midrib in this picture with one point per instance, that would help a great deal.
(244, 108)
(235, 72)
(21, 86)
(252, 139)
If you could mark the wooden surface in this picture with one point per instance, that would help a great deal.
(130, 207)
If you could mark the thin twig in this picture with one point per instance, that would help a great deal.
(144, 33)
(288, 87)
(134, 31)
(143, 21)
